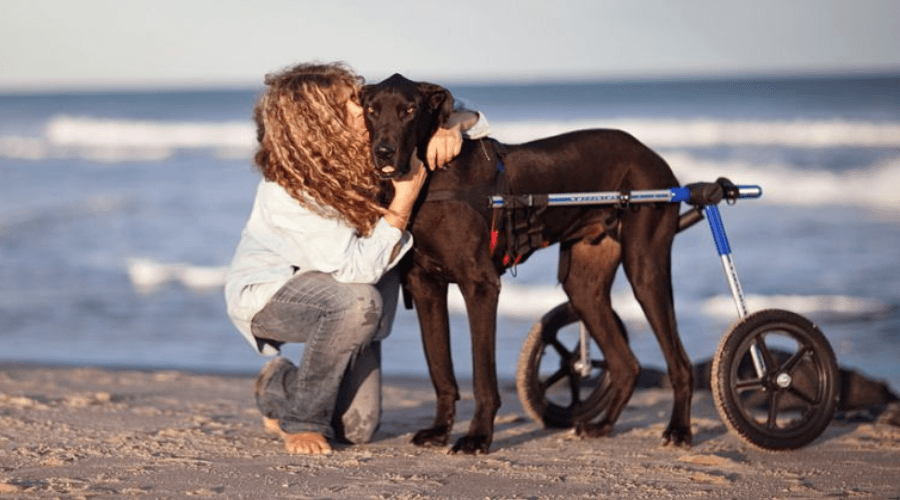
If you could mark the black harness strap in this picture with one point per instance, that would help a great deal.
(502, 189)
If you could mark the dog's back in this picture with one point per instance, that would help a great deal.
(578, 161)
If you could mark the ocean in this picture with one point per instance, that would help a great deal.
(119, 212)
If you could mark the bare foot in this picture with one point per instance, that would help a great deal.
(307, 443)
(271, 425)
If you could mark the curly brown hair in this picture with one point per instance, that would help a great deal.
(308, 146)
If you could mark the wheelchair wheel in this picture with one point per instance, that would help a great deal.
(555, 387)
(789, 399)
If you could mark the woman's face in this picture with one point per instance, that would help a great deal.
(355, 115)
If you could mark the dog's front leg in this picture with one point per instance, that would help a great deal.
(430, 298)
(481, 304)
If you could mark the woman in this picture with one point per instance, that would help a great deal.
(314, 263)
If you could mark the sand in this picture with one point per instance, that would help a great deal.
(100, 433)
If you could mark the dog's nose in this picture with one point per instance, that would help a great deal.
(385, 151)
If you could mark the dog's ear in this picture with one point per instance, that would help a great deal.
(439, 101)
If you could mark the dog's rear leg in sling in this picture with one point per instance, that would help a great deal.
(592, 267)
(648, 265)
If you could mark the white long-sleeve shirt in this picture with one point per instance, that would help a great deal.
(283, 238)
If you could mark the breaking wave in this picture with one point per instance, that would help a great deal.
(112, 140)
(530, 302)
(108, 140)
(869, 186)
(148, 276)
(873, 187)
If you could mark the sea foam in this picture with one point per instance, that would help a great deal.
(531, 301)
(120, 140)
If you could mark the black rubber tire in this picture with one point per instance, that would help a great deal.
(789, 406)
(583, 398)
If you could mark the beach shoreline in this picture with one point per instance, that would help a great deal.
(87, 432)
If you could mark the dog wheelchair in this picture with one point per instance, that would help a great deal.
(774, 377)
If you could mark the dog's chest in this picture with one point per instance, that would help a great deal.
(449, 236)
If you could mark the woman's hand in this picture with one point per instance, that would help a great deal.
(446, 143)
(406, 191)
(443, 146)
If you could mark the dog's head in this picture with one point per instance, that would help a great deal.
(401, 116)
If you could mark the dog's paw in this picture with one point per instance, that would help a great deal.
(589, 430)
(677, 436)
(434, 436)
(472, 445)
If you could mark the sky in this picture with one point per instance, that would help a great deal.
(114, 44)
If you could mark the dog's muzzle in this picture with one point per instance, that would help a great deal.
(385, 154)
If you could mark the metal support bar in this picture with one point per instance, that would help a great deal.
(734, 284)
(671, 195)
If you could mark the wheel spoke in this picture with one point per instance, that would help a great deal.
(803, 397)
(768, 358)
(560, 349)
(795, 359)
(553, 379)
(748, 385)
(576, 392)
(774, 398)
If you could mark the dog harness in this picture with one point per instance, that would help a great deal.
(521, 219)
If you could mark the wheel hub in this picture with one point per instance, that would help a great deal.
(783, 380)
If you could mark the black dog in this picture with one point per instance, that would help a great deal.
(460, 239)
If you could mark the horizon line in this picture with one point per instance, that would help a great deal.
(185, 86)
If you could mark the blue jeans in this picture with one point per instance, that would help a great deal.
(336, 389)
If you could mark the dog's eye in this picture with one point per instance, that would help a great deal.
(410, 110)
(370, 110)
